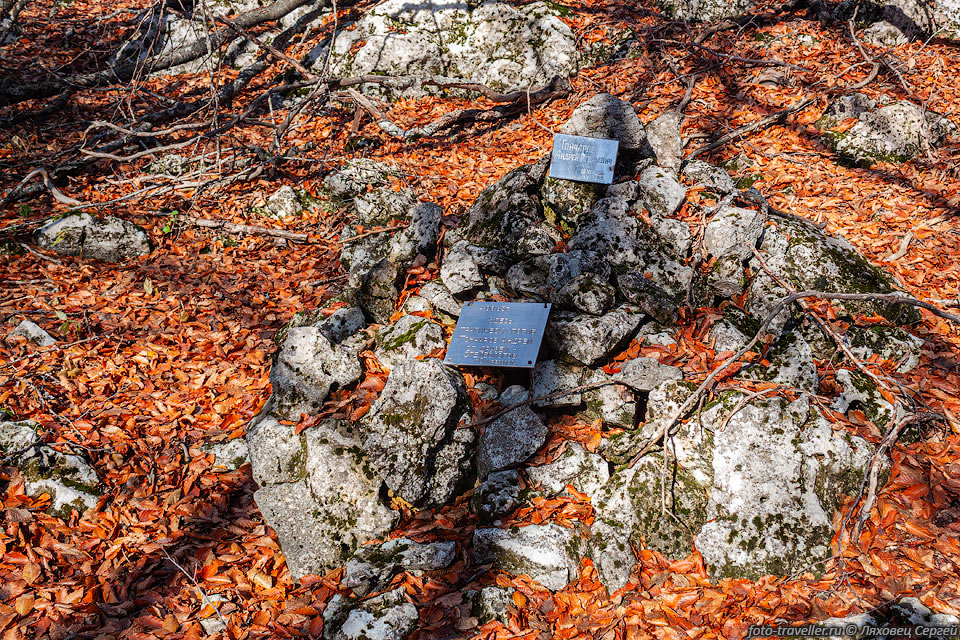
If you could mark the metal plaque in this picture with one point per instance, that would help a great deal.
(583, 159)
(498, 334)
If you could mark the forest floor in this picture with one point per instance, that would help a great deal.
(161, 355)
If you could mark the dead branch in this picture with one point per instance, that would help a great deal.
(47, 184)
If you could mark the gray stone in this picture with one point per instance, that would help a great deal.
(507, 215)
(307, 366)
(889, 343)
(733, 231)
(710, 176)
(646, 374)
(551, 376)
(510, 440)
(757, 495)
(791, 365)
(894, 133)
(861, 392)
(921, 18)
(799, 253)
(513, 394)
(649, 298)
(33, 333)
(68, 479)
(318, 492)
(373, 566)
(377, 293)
(441, 298)
(845, 107)
(384, 207)
(410, 433)
(408, 337)
(282, 203)
(663, 134)
(604, 116)
(612, 404)
(660, 192)
(170, 164)
(733, 331)
(230, 455)
(565, 201)
(588, 293)
(504, 47)
(492, 603)
(459, 271)
(109, 238)
(543, 276)
(356, 175)
(388, 616)
(341, 324)
(609, 230)
(674, 235)
(550, 554)
(586, 471)
(884, 34)
(589, 339)
(705, 10)
(728, 276)
(497, 495)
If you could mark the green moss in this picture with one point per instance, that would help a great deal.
(393, 342)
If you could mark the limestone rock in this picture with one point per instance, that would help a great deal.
(884, 34)
(757, 495)
(651, 299)
(586, 471)
(610, 230)
(441, 298)
(308, 365)
(660, 193)
(808, 258)
(68, 479)
(388, 616)
(377, 293)
(283, 203)
(230, 455)
(513, 394)
(733, 331)
(407, 338)
(551, 376)
(356, 175)
(587, 293)
(663, 134)
(604, 116)
(109, 238)
(372, 566)
(791, 364)
(510, 440)
(589, 339)
(33, 333)
(733, 231)
(548, 553)
(497, 495)
(459, 271)
(492, 603)
(841, 108)
(410, 433)
(565, 201)
(705, 10)
(890, 343)
(646, 374)
(341, 324)
(861, 392)
(710, 176)
(727, 277)
(544, 276)
(508, 215)
(504, 47)
(893, 133)
(612, 404)
(318, 491)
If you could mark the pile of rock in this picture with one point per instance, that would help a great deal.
(754, 482)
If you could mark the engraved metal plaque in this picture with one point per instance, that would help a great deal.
(583, 159)
(498, 334)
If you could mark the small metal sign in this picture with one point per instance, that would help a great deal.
(498, 334)
(583, 159)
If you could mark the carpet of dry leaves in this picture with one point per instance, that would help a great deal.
(161, 355)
